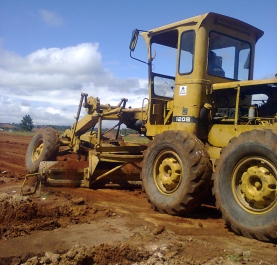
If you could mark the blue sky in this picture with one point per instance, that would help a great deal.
(51, 51)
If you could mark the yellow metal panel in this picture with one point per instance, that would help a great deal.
(214, 152)
(245, 83)
(221, 134)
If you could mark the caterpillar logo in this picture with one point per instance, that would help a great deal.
(188, 119)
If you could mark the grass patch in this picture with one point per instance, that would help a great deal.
(136, 139)
(232, 257)
(21, 133)
(128, 139)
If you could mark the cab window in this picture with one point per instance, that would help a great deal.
(163, 53)
(163, 63)
(186, 52)
(228, 57)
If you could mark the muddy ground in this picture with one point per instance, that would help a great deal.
(114, 225)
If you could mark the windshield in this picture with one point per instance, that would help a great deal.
(228, 57)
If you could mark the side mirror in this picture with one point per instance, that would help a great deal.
(134, 40)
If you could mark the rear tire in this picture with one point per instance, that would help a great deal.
(44, 146)
(245, 181)
(176, 172)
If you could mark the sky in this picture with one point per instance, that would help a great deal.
(52, 50)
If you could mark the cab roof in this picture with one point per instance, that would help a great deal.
(210, 18)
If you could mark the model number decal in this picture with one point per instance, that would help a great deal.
(184, 119)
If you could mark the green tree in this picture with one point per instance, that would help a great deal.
(26, 123)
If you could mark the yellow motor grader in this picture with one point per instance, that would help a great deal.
(210, 126)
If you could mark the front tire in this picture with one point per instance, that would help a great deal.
(245, 181)
(44, 146)
(176, 172)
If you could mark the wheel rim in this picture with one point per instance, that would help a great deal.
(37, 150)
(167, 172)
(254, 184)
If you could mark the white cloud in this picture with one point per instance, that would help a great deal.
(47, 84)
(25, 103)
(51, 18)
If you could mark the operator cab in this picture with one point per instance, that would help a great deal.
(186, 58)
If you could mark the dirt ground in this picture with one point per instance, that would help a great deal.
(64, 225)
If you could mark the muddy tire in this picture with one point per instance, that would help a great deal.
(44, 146)
(245, 182)
(176, 172)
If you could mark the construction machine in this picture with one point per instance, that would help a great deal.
(210, 126)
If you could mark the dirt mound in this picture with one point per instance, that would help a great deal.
(22, 215)
(125, 254)
(106, 254)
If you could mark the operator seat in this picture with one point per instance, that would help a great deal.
(214, 65)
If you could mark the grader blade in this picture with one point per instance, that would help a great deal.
(83, 173)
(61, 173)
